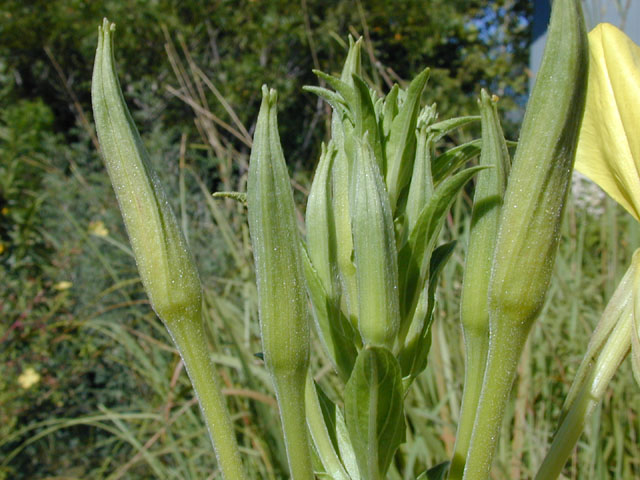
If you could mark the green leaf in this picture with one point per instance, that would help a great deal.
(353, 63)
(321, 419)
(439, 472)
(334, 99)
(389, 111)
(421, 186)
(400, 150)
(413, 356)
(366, 119)
(440, 129)
(444, 164)
(344, 89)
(374, 411)
(336, 333)
(424, 235)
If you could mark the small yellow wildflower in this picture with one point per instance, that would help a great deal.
(4, 211)
(2, 248)
(28, 378)
(98, 229)
(64, 285)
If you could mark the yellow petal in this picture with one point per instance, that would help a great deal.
(609, 145)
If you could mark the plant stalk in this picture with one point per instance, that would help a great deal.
(498, 379)
(476, 354)
(204, 378)
(291, 402)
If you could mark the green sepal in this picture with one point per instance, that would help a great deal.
(374, 411)
(340, 179)
(620, 304)
(321, 237)
(353, 63)
(282, 291)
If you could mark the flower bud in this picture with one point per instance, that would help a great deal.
(164, 261)
(276, 249)
(282, 298)
(375, 251)
(540, 178)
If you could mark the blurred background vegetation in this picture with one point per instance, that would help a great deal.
(90, 384)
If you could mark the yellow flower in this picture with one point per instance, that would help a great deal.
(609, 146)
(28, 378)
(64, 285)
(2, 248)
(98, 229)
(4, 211)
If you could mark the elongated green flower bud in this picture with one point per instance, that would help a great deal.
(375, 252)
(542, 166)
(474, 313)
(282, 297)
(276, 248)
(165, 264)
(530, 220)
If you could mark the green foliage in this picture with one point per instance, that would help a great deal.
(103, 405)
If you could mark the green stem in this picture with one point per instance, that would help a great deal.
(565, 439)
(476, 355)
(189, 337)
(505, 348)
(290, 392)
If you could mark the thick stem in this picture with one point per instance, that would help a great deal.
(505, 348)
(476, 345)
(192, 346)
(290, 392)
